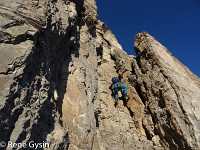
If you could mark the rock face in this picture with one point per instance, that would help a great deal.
(57, 62)
(170, 92)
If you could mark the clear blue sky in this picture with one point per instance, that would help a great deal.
(174, 23)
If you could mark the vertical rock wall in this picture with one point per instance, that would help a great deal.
(121, 126)
(57, 62)
(45, 45)
(170, 92)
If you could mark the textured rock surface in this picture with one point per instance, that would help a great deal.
(170, 91)
(40, 40)
(56, 64)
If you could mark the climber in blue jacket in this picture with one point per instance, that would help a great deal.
(116, 87)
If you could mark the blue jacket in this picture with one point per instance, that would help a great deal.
(118, 86)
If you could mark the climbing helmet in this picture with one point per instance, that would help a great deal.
(114, 80)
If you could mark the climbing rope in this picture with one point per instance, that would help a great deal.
(124, 138)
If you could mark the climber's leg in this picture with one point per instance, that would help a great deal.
(116, 96)
(124, 88)
(125, 92)
(116, 99)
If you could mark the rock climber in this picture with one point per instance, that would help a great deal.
(116, 87)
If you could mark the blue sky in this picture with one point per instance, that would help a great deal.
(174, 23)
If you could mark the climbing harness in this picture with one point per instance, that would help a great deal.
(124, 138)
